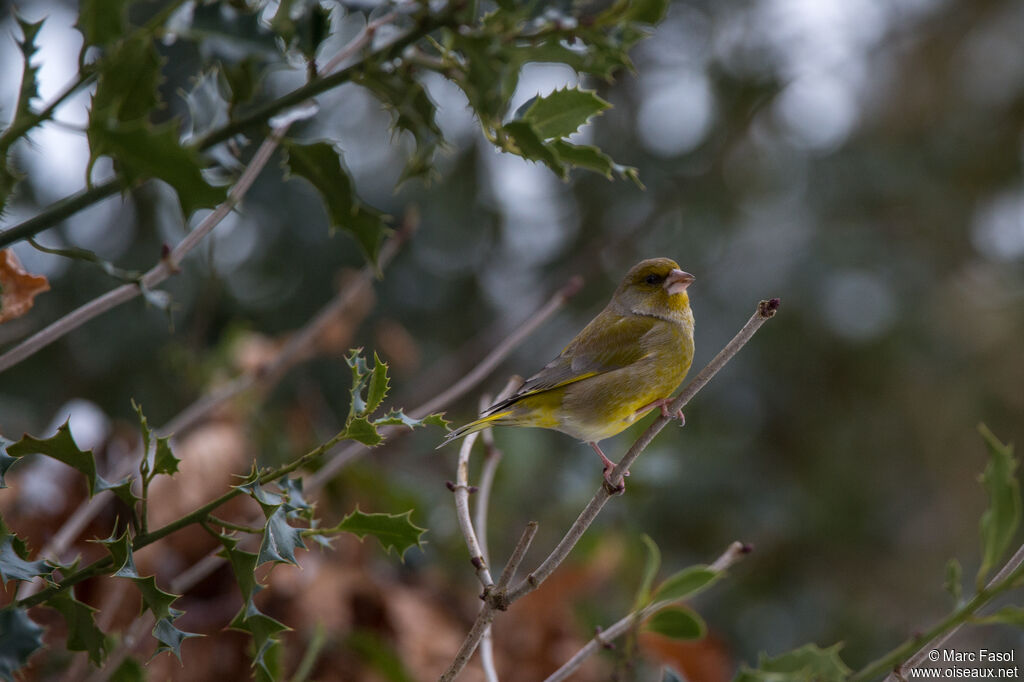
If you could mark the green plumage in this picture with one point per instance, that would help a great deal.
(634, 353)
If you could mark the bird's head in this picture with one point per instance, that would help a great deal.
(655, 287)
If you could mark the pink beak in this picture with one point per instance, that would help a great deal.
(677, 281)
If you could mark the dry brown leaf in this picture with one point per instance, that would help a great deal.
(18, 288)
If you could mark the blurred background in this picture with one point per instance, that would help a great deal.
(859, 159)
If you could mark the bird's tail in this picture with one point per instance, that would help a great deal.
(474, 426)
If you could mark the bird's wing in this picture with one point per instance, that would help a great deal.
(611, 341)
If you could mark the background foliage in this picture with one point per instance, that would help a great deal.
(860, 160)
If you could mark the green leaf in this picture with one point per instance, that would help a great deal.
(83, 634)
(243, 565)
(954, 580)
(1008, 615)
(264, 631)
(584, 156)
(6, 461)
(295, 502)
(806, 664)
(392, 530)
(677, 622)
(360, 429)
(529, 145)
(651, 565)
(164, 461)
(1000, 520)
(144, 152)
(129, 670)
(686, 583)
(320, 164)
(563, 112)
(647, 11)
(269, 502)
(170, 637)
(20, 637)
(400, 418)
(155, 599)
(101, 22)
(62, 447)
(378, 386)
(280, 540)
(13, 563)
(120, 549)
(127, 85)
(23, 118)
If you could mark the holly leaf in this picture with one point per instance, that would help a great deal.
(264, 631)
(686, 583)
(120, 549)
(13, 562)
(142, 151)
(677, 622)
(20, 637)
(400, 418)
(999, 522)
(378, 386)
(360, 429)
(280, 540)
(101, 22)
(320, 164)
(156, 600)
(562, 112)
(243, 565)
(809, 663)
(83, 633)
(529, 145)
(6, 461)
(62, 447)
(23, 118)
(170, 637)
(127, 86)
(391, 530)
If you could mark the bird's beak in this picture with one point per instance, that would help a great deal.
(677, 281)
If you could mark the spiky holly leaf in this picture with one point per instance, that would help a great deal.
(320, 164)
(62, 447)
(83, 633)
(144, 151)
(400, 418)
(23, 118)
(264, 631)
(120, 549)
(529, 145)
(280, 540)
(269, 501)
(1000, 520)
(156, 600)
(127, 86)
(101, 22)
(14, 564)
(20, 637)
(6, 461)
(295, 502)
(243, 565)
(809, 663)
(391, 530)
(170, 637)
(378, 386)
(360, 429)
(562, 112)
(677, 622)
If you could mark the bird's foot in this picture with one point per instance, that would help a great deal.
(663, 404)
(609, 466)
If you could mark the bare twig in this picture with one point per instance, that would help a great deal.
(461, 490)
(735, 552)
(765, 311)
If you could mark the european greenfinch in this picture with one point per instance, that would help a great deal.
(625, 363)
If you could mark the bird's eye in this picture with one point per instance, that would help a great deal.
(652, 279)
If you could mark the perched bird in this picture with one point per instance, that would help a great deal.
(623, 364)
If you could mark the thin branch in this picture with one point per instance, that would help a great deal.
(915, 650)
(461, 490)
(736, 551)
(765, 311)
